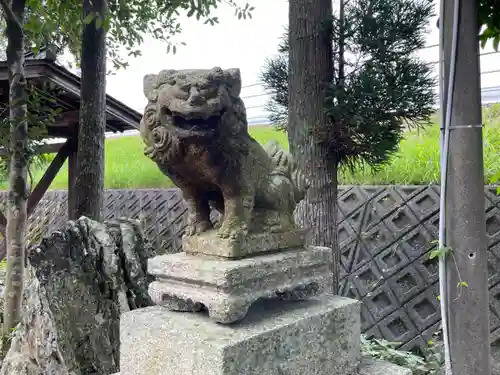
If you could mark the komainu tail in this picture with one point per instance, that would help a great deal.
(285, 166)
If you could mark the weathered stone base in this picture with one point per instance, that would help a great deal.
(209, 243)
(227, 288)
(316, 337)
(375, 367)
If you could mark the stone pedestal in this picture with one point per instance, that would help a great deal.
(209, 243)
(227, 288)
(320, 336)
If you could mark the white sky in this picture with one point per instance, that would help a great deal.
(240, 44)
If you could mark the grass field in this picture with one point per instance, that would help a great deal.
(417, 161)
(127, 167)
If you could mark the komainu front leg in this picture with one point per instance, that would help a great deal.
(199, 213)
(237, 212)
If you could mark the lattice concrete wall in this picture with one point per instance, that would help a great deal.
(162, 211)
(385, 234)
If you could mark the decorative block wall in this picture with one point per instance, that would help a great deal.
(385, 234)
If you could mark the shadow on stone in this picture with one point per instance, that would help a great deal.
(271, 308)
(262, 309)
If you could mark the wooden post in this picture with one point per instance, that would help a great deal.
(40, 189)
(466, 261)
(49, 175)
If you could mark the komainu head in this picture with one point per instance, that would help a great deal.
(191, 103)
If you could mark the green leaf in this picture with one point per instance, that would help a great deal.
(89, 18)
(463, 284)
(107, 24)
(434, 254)
(496, 42)
(98, 22)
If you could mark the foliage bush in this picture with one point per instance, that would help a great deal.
(380, 87)
(428, 363)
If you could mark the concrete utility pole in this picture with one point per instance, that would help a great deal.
(466, 263)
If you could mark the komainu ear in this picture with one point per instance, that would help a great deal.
(149, 85)
(233, 80)
(166, 76)
(216, 73)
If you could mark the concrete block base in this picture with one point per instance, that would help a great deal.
(320, 336)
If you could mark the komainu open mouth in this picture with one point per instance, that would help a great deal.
(195, 126)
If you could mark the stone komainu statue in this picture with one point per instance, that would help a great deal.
(195, 129)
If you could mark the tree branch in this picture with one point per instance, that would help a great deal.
(11, 17)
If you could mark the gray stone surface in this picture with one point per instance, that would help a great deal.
(210, 243)
(78, 282)
(495, 359)
(315, 337)
(227, 288)
(374, 367)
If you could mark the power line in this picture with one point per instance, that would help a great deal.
(268, 93)
(255, 96)
(482, 54)
(426, 47)
(491, 71)
(430, 46)
(491, 88)
(484, 89)
(256, 106)
(252, 85)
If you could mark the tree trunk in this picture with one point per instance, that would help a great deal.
(310, 70)
(89, 180)
(18, 171)
(341, 42)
